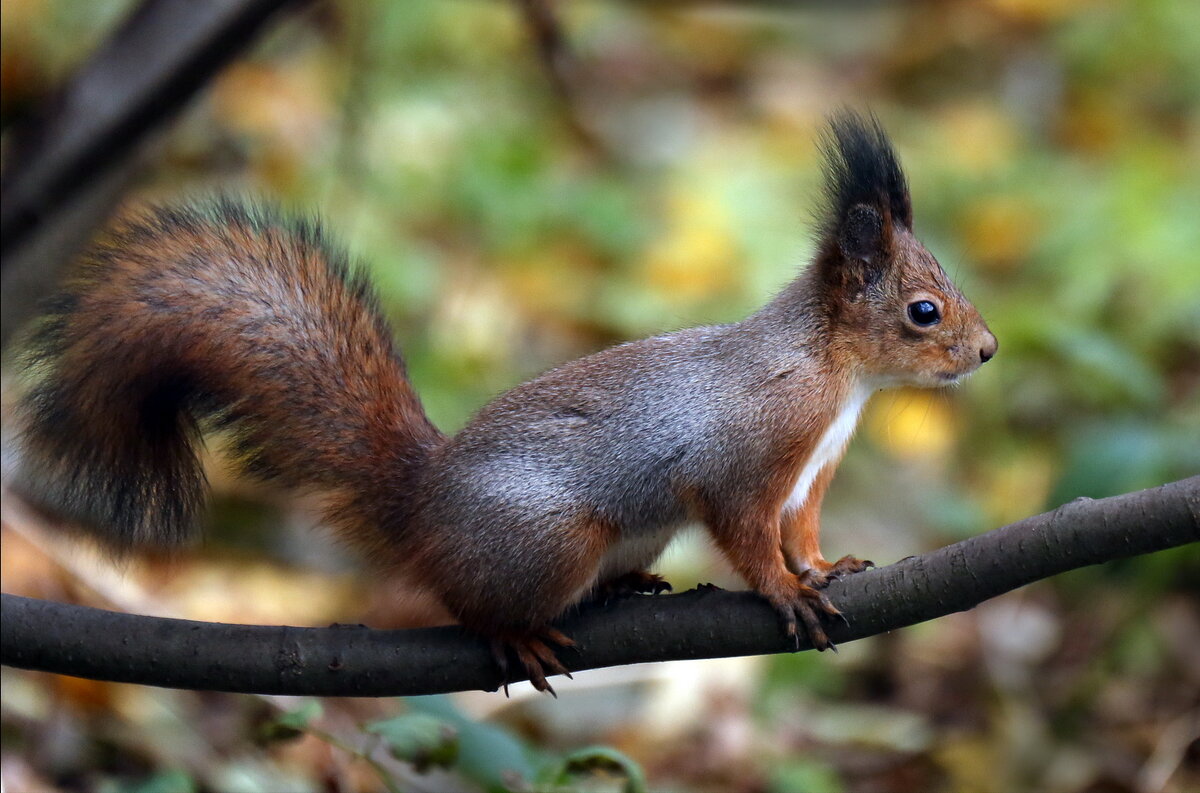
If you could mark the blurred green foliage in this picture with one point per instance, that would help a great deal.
(1053, 150)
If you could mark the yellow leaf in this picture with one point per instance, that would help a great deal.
(980, 137)
(556, 279)
(1000, 231)
(286, 104)
(1017, 486)
(696, 257)
(911, 424)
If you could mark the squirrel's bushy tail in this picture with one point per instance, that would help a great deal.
(221, 315)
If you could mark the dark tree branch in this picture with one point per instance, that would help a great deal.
(706, 623)
(68, 164)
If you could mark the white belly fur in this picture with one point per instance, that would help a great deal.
(628, 555)
(635, 553)
(831, 445)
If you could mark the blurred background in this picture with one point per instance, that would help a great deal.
(514, 216)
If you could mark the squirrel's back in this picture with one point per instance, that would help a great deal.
(220, 316)
(620, 431)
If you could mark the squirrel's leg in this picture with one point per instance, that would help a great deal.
(800, 533)
(517, 616)
(751, 542)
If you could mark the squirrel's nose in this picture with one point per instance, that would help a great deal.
(988, 350)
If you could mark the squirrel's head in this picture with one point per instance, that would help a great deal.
(891, 306)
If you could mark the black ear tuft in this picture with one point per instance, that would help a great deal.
(861, 169)
(861, 233)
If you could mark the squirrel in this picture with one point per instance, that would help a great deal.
(226, 316)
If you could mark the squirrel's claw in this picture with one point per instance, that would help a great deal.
(533, 651)
(500, 655)
(824, 572)
(807, 608)
(848, 565)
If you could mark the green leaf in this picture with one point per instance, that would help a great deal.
(1104, 459)
(561, 775)
(163, 782)
(490, 756)
(291, 724)
(418, 738)
(806, 775)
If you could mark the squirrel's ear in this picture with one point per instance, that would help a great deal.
(866, 198)
(864, 241)
(861, 234)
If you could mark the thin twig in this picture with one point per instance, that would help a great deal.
(562, 70)
(67, 165)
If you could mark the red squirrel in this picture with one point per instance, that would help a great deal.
(224, 316)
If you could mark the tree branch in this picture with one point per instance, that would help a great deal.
(68, 164)
(704, 623)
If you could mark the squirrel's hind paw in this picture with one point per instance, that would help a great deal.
(533, 650)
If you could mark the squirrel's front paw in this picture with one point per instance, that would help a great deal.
(805, 604)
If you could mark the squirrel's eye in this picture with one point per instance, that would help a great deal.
(924, 312)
